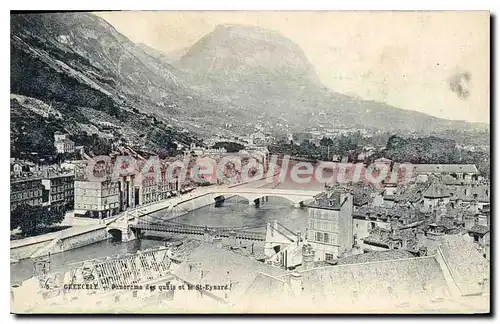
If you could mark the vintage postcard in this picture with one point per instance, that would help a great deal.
(178, 162)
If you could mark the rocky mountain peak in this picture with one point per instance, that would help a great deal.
(247, 50)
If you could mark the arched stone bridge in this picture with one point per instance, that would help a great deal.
(121, 225)
(296, 197)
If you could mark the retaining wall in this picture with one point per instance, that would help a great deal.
(74, 238)
(25, 251)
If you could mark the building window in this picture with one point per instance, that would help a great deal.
(328, 257)
(372, 225)
(318, 236)
(325, 238)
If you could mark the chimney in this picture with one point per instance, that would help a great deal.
(285, 259)
(420, 235)
(307, 256)
(482, 220)
(218, 242)
(355, 240)
(438, 215)
(206, 236)
(232, 238)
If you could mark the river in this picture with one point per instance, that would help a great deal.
(235, 212)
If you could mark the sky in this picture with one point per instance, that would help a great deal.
(432, 62)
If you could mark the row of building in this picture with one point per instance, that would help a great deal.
(103, 194)
(69, 186)
(49, 186)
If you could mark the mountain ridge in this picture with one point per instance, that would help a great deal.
(81, 66)
(249, 73)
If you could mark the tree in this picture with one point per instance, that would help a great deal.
(53, 216)
(170, 148)
(230, 147)
(326, 141)
(32, 218)
(429, 149)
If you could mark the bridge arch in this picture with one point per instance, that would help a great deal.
(115, 233)
(294, 200)
(296, 197)
(289, 199)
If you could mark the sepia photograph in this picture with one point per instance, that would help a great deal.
(250, 162)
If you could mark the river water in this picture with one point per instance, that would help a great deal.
(235, 212)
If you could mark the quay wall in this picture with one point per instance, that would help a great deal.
(24, 248)
(83, 239)
(75, 238)
(26, 251)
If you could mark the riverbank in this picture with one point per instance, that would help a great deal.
(96, 230)
(235, 212)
